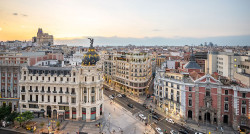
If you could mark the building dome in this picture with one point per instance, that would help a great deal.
(91, 57)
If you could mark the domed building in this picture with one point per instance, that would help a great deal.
(70, 93)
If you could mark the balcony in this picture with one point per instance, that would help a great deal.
(67, 92)
(30, 91)
(48, 91)
(21, 90)
(54, 91)
(60, 91)
(42, 91)
(31, 101)
(36, 90)
(73, 93)
(63, 103)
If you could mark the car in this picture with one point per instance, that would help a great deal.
(170, 120)
(142, 116)
(183, 132)
(198, 133)
(111, 97)
(130, 105)
(123, 95)
(155, 117)
(145, 105)
(119, 95)
(173, 132)
(148, 96)
(158, 130)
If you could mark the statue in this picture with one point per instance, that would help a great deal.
(91, 41)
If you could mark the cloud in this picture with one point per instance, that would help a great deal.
(16, 14)
(0, 29)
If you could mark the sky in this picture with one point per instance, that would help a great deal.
(122, 22)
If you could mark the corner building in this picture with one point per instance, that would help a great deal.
(64, 92)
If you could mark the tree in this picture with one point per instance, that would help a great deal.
(20, 119)
(24, 117)
(58, 124)
(4, 111)
(12, 116)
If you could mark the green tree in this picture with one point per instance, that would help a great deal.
(4, 112)
(58, 124)
(24, 117)
(12, 116)
(20, 119)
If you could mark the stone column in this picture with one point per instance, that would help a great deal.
(88, 114)
(6, 76)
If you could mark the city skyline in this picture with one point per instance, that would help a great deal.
(174, 23)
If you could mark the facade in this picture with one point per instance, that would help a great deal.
(43, 39)
(223, 63)
(192, 95)
(128, 72)
(64, 92)
(10, 66)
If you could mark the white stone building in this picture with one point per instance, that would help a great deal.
(63, 92)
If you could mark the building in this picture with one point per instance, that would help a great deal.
(64, 92)
(129, 72)
(43, 39)
(10, 66)
(223, 63)
(189, 94)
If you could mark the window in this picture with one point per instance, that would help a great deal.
(166, 83)
(74, 80)
(73, 100)
(48, 98)
(60, 89)
(23, 97)
(49, 89)
(93, 78)
(85, 99)
(226, 98)
(61, 78)
(207, 93)
(85, 90)
(178, 87)
(30, 97)
(85, 78)
(92, 99)
(42, 98)
(30, 77)
(61, 99)
(55, 79)
(190, 95)
(226, 92)
(73, 91)
(54, 98)
(42, 88)
(226, 107)
(244, 102)
(37, 98)
(93, 90)
(243, 95)
(190, 103)
(243, 110)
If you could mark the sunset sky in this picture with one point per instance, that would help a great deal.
(76, 19)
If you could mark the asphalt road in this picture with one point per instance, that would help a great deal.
(8, 132)
(138, 108)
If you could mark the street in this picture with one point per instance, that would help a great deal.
(138, 108)
(8, 132)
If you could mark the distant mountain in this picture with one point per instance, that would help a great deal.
(150, 41)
